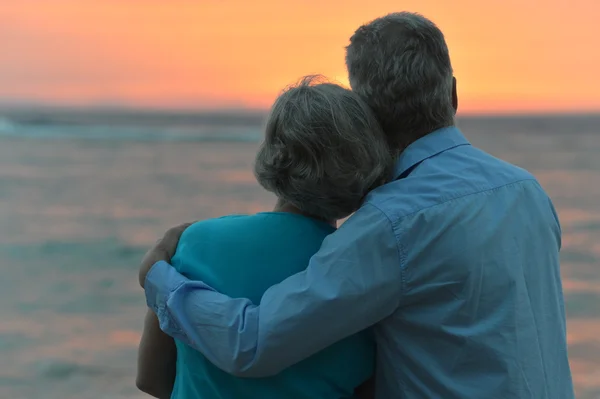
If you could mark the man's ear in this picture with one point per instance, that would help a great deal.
(454, 95)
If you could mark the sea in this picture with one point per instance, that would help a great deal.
(84, 193)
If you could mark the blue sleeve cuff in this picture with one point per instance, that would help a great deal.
(161, 281)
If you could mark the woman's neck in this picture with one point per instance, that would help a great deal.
(283, 206)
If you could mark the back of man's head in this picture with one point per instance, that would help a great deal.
(399, 64)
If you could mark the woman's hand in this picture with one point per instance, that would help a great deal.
(164, 249)
(366, 390)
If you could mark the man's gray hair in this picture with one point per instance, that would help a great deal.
(323, 149)
(400, 65)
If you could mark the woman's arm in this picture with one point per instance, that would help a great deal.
(157, 355)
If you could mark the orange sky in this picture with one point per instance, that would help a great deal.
(508, 55)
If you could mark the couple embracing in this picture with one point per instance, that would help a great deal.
(444, 282)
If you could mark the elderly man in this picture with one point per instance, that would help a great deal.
(454, 262)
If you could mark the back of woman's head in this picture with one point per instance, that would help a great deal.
(323, 149)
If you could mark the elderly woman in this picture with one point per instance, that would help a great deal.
(323, 152)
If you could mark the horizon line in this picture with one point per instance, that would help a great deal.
(144, 109)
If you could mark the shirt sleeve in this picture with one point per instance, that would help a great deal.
(354, 281)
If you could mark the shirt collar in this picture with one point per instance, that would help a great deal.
(426, 147)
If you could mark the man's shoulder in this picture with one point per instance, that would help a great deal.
(471, 176)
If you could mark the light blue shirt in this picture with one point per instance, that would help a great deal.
(241, 256)
(455, 262)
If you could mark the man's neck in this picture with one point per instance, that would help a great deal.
(283, 206)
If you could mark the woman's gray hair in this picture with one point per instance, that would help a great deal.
(400, 65)
(323, 149)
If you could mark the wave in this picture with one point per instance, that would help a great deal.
(6, 125)
(129, 132)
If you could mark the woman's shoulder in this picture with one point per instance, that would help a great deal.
(208, 232)
(202, 226)
(272, 227)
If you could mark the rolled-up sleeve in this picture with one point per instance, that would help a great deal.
(354, 281)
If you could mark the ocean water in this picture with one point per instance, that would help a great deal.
(83, 195)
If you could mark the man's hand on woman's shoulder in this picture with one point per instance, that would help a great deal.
(164, 249)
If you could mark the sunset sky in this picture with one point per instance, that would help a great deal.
(508, 56)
